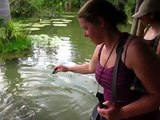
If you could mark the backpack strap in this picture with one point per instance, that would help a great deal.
(120, 47)
(155, 45)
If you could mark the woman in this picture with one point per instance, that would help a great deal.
(99, 19)
(149, 14)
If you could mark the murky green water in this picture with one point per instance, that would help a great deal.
(29, 91)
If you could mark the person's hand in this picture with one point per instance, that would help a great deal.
(112, 111)
(60, 68)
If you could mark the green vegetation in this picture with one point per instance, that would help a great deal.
(40, 8)
(40, 13)
(55, 8)
(129, 8)
(13, 40)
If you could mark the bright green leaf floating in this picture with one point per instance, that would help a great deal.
(57, 22)
(38, 25)
(45, 21)
(68, 16)
(65, 20)
(57, 19)
(26, 25)
(60, 25)
(32, 29)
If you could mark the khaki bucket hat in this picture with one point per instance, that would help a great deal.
(147, 6)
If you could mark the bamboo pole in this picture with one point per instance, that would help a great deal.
(140, 29)
(135, 24)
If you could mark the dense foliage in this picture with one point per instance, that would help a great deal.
(28, 8)
(22, 8)
(12, 39)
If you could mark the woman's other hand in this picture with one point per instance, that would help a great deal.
(112, 111)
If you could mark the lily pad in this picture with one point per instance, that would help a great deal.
(68, 16)
(56, 22)
(65, 20)
(60, 25)
(58, 19)
(38, 25)
(26, 25)
(45, 22)
(32, 29)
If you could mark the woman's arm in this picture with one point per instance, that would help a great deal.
(147, 68)
(83, 68)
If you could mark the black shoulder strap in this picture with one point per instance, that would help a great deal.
(100, 50)
(155, 45)
(123, 38)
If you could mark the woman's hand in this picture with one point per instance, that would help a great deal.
(112, 111)
(60, 68)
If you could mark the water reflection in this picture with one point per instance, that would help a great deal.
(64, 52)
(33, 93)
(12, 76)
(30, 92)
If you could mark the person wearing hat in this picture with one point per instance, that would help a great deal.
(149, 14)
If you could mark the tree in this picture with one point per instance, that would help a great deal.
(56, 6)
(5, 10)
(22, 8)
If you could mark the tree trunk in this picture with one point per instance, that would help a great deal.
(5, 10)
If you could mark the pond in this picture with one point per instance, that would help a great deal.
(29, 90)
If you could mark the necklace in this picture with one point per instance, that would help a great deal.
(106, 62)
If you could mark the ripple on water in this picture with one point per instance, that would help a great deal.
(44, 96)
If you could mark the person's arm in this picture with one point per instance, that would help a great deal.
(147, 68)
(83, 68)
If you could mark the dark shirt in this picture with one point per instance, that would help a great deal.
(153, 43)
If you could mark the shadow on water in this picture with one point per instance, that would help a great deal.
(30, 92)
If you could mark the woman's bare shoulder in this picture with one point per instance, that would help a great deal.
(138, 51)
(98, 47)
(137, 44)
(143, 61)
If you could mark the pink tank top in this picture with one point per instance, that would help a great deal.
(124, 79)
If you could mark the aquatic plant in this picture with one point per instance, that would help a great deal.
(13, 39)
